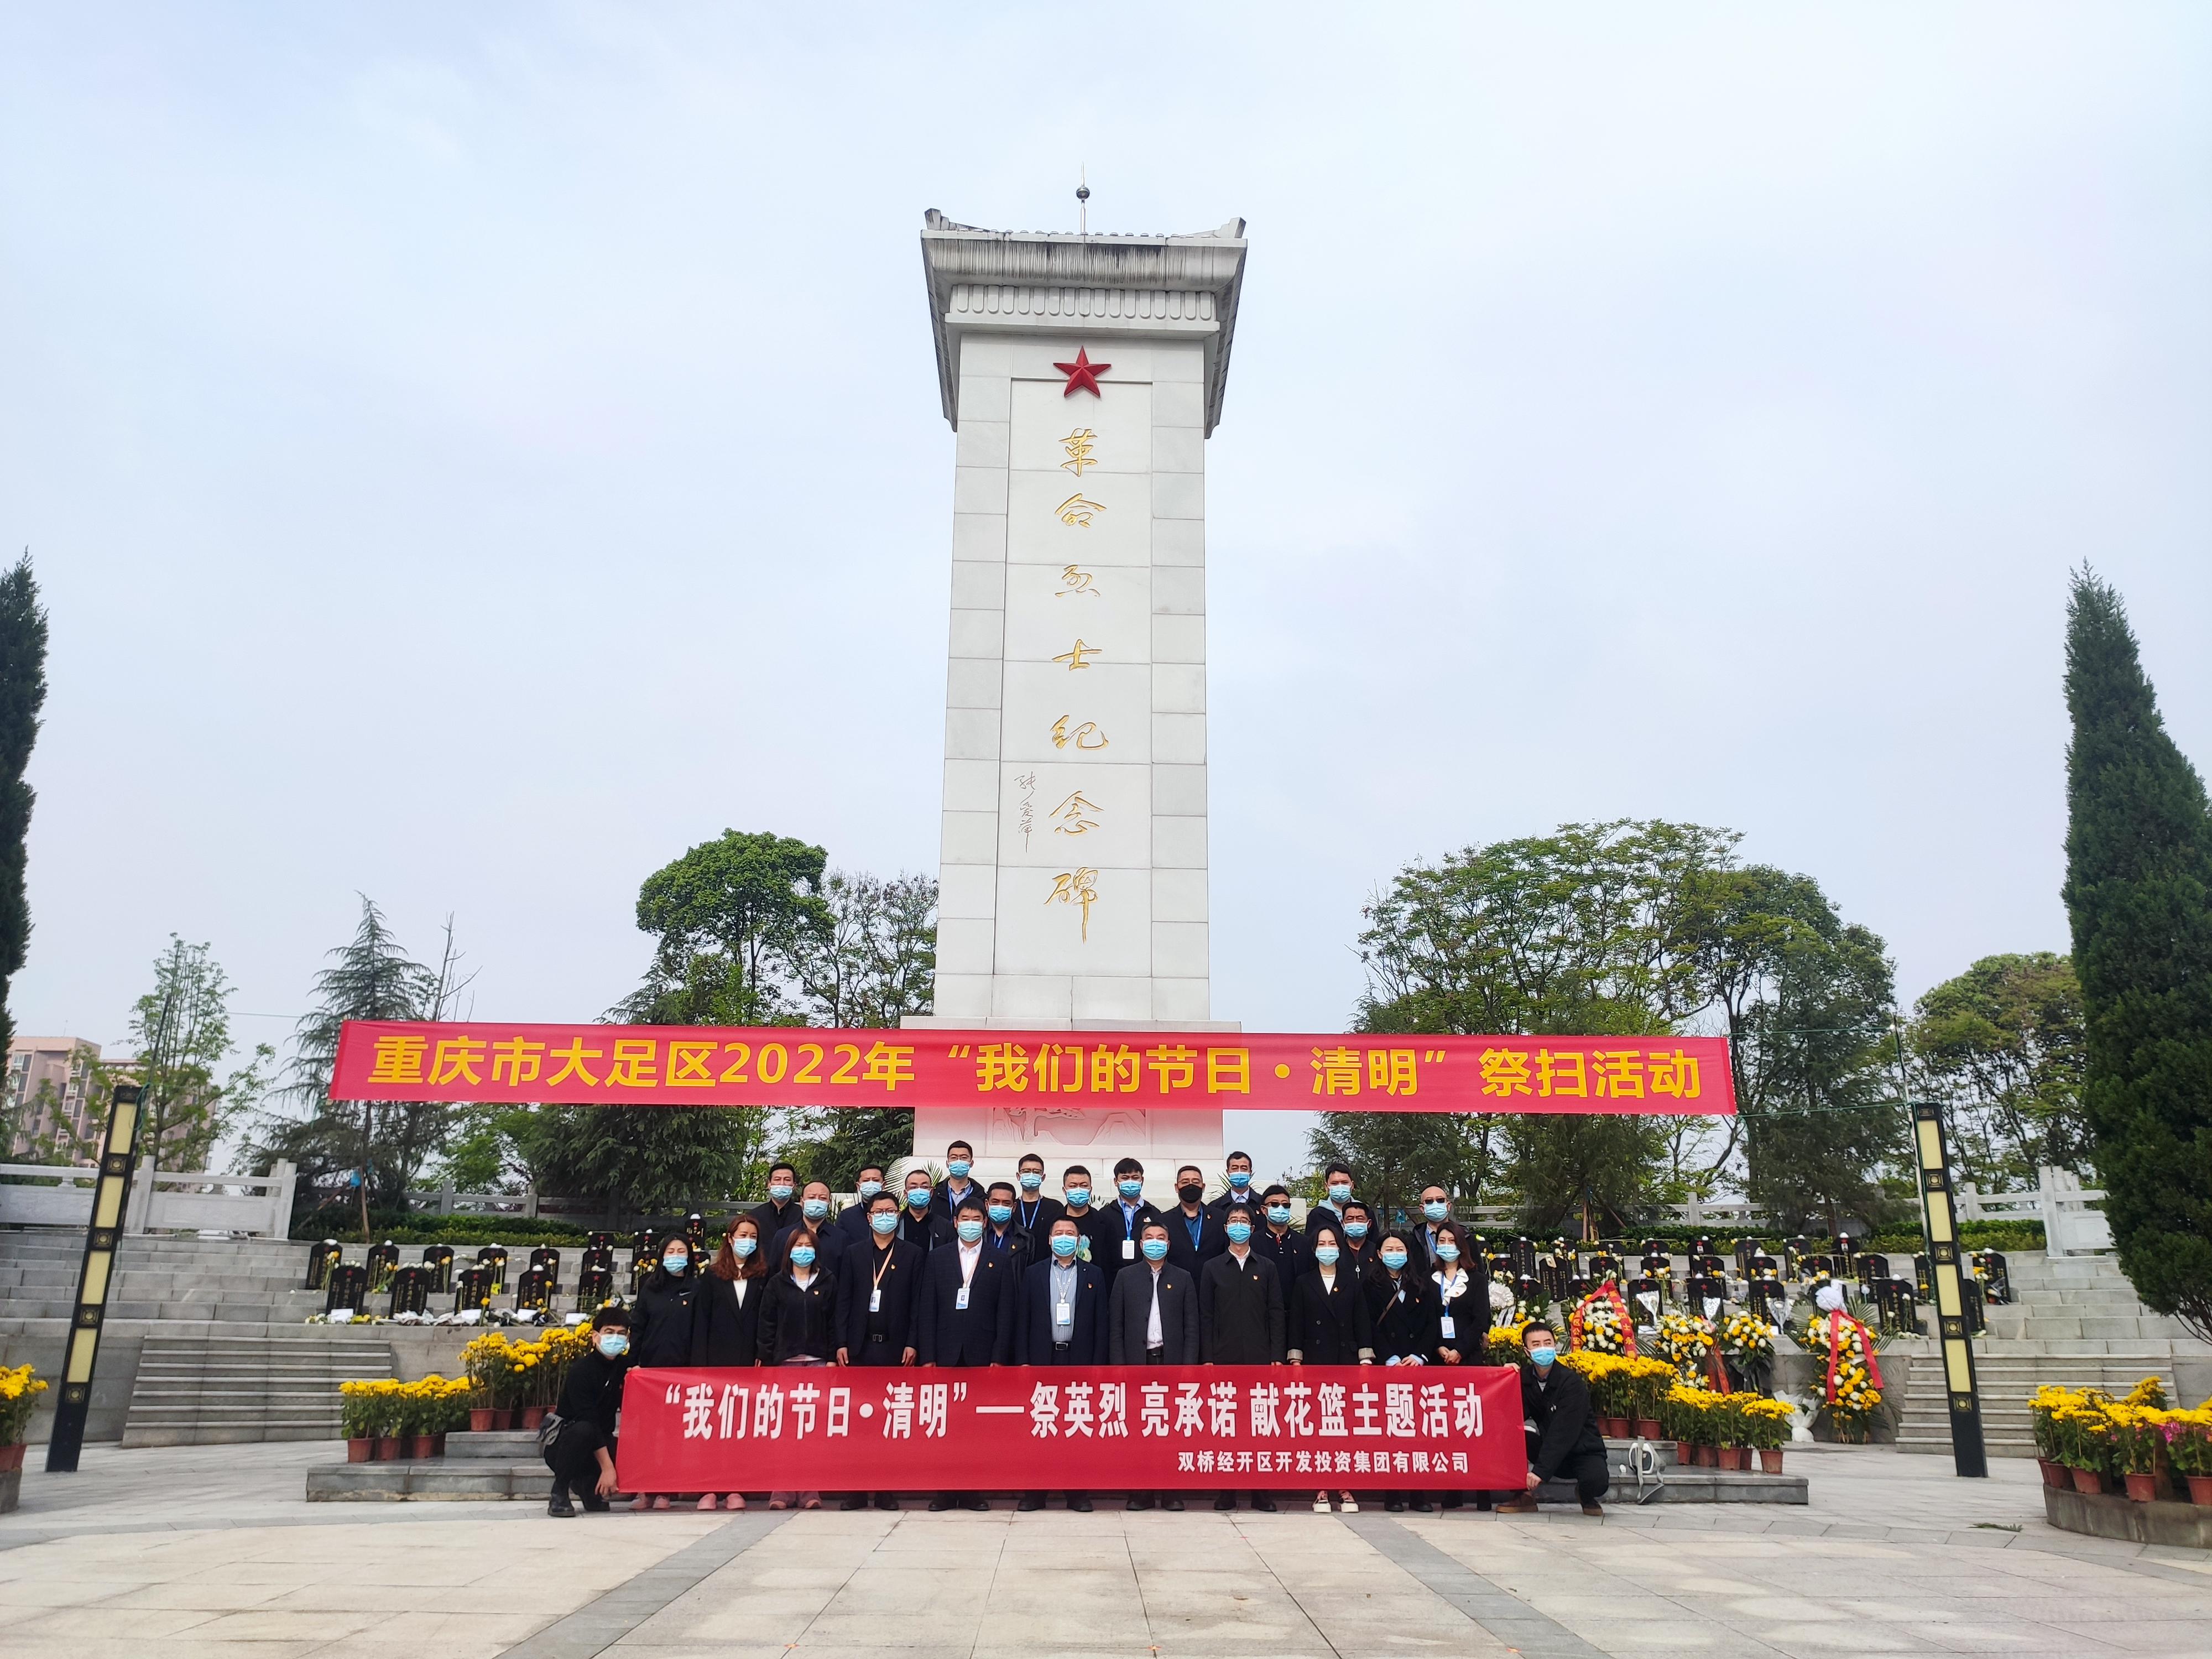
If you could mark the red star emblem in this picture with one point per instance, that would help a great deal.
(1082, 373)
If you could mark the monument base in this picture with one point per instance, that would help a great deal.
(1097, 1136)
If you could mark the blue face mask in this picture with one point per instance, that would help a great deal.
(1446, 1250)
(970, 1232)
(1063, 1246)
(918, 1197)
(884, 1221)
(1542, 1358)
(744, 1247)
(1394, 1259)
(1155, 1249)
(780, 1191)
(1240, 1179)
(613, 1344)
(1434, 1210)
(675, 1264)
(956, 1168)
(1031, 1180)
(1355, 1230)
(802, 1255)
(1339, 1191)
(1001, 1213)
(1279, 1214)
(814, 1208)
(1326, 1255)
(1239, 1231)
(1078, 1196)
(869, 1188)
(1132, 1188)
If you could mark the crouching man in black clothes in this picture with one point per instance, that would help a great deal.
(1565, 1439)
(582, 1454)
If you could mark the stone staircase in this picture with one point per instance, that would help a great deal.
(210, 1390)
(255, 1281)
(2006, 1383)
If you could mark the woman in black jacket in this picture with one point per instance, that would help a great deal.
(1462, 1277)
(1402, 1305)
(726, 1314)
(798, 1324)
(1328, 1323)
(660, 1318)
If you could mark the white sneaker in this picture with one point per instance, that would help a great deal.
(1320, 1506)
(1350, 1506)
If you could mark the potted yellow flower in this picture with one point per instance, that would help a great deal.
(1765, 1429)
(2188, 1448)
(20, 1388)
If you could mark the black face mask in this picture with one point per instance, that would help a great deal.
(1190, 1194)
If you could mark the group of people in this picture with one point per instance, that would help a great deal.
(958, 1274)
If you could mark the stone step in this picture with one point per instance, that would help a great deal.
(510, 1445)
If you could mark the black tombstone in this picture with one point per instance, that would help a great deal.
(1604, 1266)
(1815, 1268)
(1990, 1266)
(548, 1258)
(1707, 1293)
(1793, 1257)
(1767, 1298)
(1978, 1312)
(1647, 1299)
(1746, 1249)
(1655, 1260)
(347, 1287)
(694, 1228)
(1921, 1279)
(1844, 1248)
(439, 1259)
(1553, 1274)
(410, 1289)
(1523, 1257)
(600, 1241)
(595, 1283)
(320, 1259)
(472, 1288)
(534, 1289)
(1896, 1307)
(383, 1262)
(1577, 1288)
(1874, 1272)
(493, 1260)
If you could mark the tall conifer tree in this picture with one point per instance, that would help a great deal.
(23, 693)
(2139, 894)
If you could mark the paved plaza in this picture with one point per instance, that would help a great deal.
(209, 1553)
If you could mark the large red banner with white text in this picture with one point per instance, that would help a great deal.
(789, 1066)
(1089, 1428)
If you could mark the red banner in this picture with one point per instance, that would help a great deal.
(794, 1065)
(1091, 1428)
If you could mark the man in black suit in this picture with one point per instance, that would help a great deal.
(1280, 1242)
(879, 1294)
(1075, 1201)
(1237, 1168)
(1435, 1209)
(1033, 1212)
(1194, 1229)
(1241, 1315)
(1361, 1241)
(1565, 1439)
(830, 1242)
(1000, 1235)
(1152, 1319)
(967, 1312)
(782, 1206)
(956, 1189)
(1122, 1220)
(919, 1223)
(853, 1217)
(1059, 1319)
(1336, 1195)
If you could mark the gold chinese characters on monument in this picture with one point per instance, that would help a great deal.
(1079, 887)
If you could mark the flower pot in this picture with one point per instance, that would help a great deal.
(1770, 1460)
(2142, 1488)
(1647, 1428)
(438, 1443)
(11, 1457)
(421, 1445)
(533, 1416)
(358, 1449)
(1708, 1458)
(2200, 1488)
(1685, 1454)
(482, 1419)
(1731, 1457)
(2054, 1473)
(2091, 1481)
(388, 1448)
(502, 1418)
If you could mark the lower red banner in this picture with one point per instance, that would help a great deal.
(1089, 1428)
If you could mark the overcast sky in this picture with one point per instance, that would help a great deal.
(473, 453)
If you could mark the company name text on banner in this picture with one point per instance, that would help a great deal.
(1112, 1428)
(791, 1065)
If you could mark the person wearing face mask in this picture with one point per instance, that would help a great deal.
(1563, 1434)
(1075, 1201)
(782, 1206)
(1237, 1183)
(1360, 1238)
(1195, 1232)
(1335, 1194)
(1059, 1319)
(1033, 1212)
(1283, 1244)
(853, 1219)
(725, 1313)
(582, 1453)
(878, 1288)
(1401, 1310)
(1435, 1210)
(1327, 1321)
(1240, 1314)
(1122, 1221)
(1152, 1320)
(830, 1241)
(919, 1225)
(1462, 1280)
(957, 1187)
(967, 1313)
(798, 1326)
(1001, 1236)
(661, 1320)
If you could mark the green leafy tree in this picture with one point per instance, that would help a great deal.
(2002, 1046)
(181, 1031)
(2139, 895)
(23, 693)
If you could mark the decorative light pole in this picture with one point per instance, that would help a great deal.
(1946, 1271)
(109, 1196)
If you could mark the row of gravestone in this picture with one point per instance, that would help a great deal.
(1565, 1273)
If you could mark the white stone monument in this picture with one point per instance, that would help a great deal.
(1081, 374)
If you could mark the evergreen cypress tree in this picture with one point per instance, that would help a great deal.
(2139, 893)
(22, 693)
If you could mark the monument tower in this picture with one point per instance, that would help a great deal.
(1081, 374)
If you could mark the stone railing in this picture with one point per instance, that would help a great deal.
(162, 1200)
